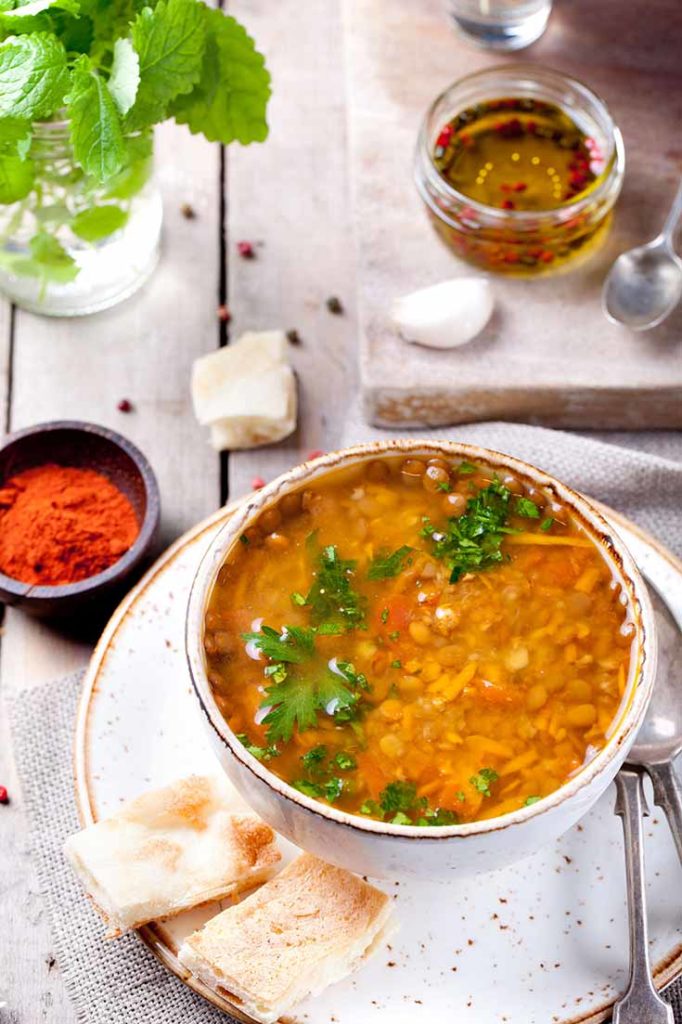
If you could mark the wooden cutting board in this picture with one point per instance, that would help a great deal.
(548, 355)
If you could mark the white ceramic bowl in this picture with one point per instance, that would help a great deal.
(372, 847)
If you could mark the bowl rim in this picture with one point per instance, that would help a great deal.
(631, 710)
(41, 592)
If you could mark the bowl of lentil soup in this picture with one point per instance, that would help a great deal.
(420, 657)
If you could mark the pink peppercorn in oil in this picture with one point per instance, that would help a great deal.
(515, 183)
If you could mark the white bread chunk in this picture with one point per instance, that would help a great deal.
(169, 850)
(310, 926)
(246, 392)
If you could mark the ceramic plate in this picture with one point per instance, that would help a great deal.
(542, 941)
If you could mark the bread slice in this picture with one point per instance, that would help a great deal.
(310, 926)
(169, 850)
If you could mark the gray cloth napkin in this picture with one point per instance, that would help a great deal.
(118, 982)
(121, 982)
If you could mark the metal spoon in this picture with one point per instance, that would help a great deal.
(645, 284)
(658, 742)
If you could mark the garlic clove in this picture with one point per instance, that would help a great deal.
(444, 315)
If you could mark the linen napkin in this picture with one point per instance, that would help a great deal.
(121, 982)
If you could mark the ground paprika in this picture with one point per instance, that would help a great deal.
(61, 524)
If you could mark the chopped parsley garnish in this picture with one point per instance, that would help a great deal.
(397, 663)
(399, 796)
(443, 485)
(329, 790)
(244, 539)
(358, 679)
(297, 701)
(394, 635)
(530, 800)
(546, 524)
(399, 800)
(261, 753)
(332, 597)
(297, 693)
(314, 757)
(386, 565)
(298, 599)
(467, 468)
(294, 644)
(472, 542)
(346, 762)
(483, 779)
(527, 508)
(384, 616)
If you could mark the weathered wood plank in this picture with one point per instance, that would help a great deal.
(291, 196)
(548, 355)
(80, 369)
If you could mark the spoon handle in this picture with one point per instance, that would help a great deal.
(668, 796)
(640, 1004)
(673, 217)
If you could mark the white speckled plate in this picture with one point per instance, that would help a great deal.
(542, 941)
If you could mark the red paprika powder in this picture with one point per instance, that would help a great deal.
(61, 524)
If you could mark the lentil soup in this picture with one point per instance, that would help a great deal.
(424, 641)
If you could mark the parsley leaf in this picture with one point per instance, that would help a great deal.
(314, 757)
(472, 542)
(297, 701)
(530, 800)
(483, 779)
(384, 615)
(298, 599)
(397, 663)
(467, 468)
(332, 597)
(231, 97)
(329, 790)
(444, 486)
(398, 796)
(346, 762)
(384, 566)
(546, 524)
(169, 41)
(261, 753)
(33, 75)
(527, 508)
(293, 645)
(96, 133)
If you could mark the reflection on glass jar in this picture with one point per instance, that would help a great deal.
(69, 245)
(519, 169)
(501, 24)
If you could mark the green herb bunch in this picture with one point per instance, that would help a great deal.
(112, 69)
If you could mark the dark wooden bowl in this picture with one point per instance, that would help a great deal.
(71, 443)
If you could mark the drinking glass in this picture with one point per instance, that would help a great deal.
(501, 24)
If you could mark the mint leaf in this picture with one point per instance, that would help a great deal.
(16, 177)
(33, 76)
(48, 261)
(15, 137)
(170, 44)
(96, 133)
(30, 8)
(230, 101)
(98, 222)
(125, 75)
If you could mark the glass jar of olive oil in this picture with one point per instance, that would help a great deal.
(519, 168)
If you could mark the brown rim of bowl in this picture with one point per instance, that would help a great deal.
(148, 526)
(642, 669)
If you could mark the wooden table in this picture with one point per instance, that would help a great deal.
(288, 195)
(291, 196)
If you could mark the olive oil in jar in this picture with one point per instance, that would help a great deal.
(517, 155)
(527, 157)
